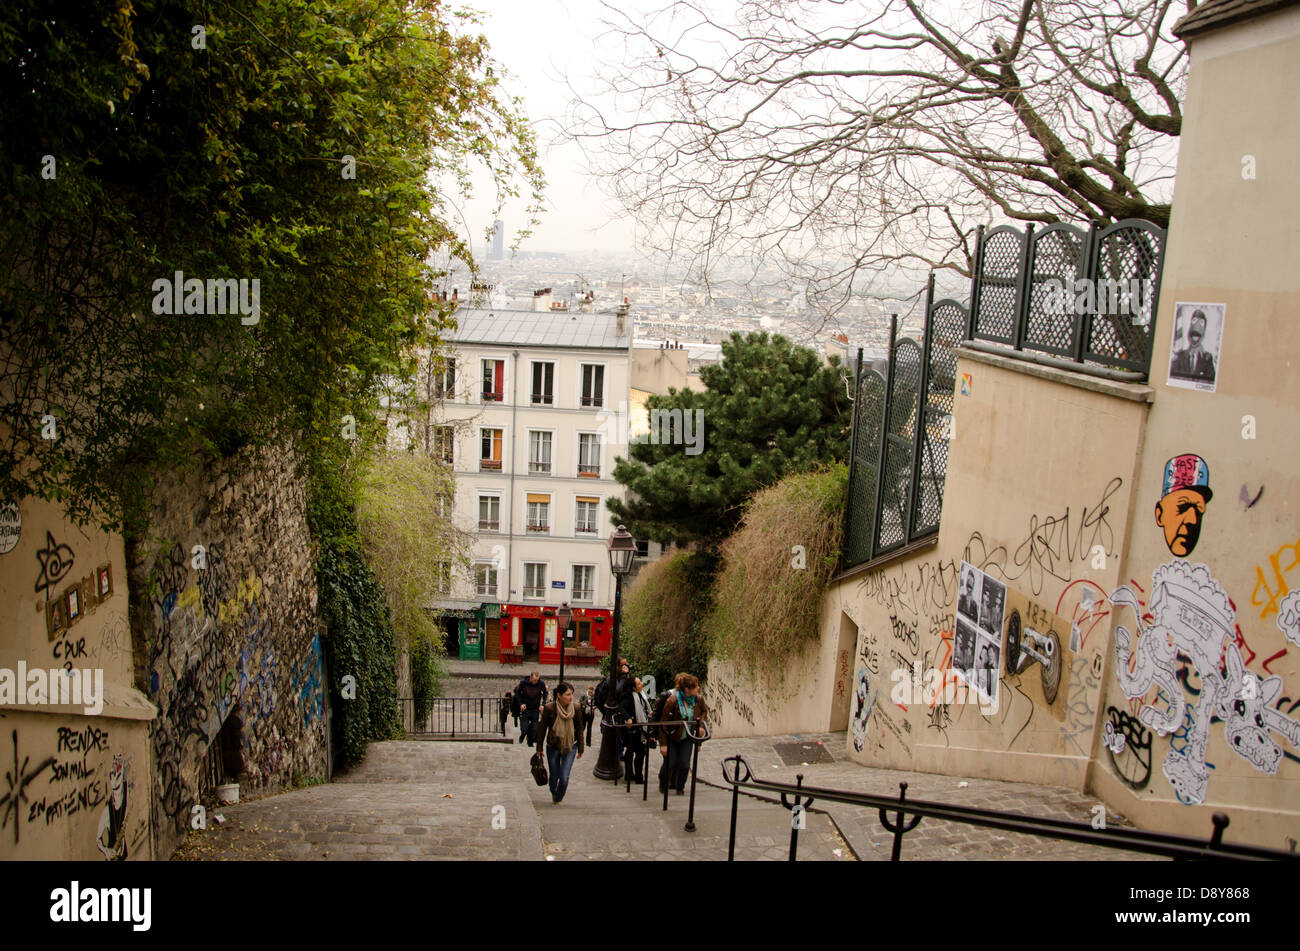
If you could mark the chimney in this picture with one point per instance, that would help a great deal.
(621, 317)
(542, 299)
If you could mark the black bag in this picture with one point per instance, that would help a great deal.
(538, 764)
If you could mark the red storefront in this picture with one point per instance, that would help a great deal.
(532, 631)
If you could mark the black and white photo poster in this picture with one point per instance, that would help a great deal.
(1197, 343)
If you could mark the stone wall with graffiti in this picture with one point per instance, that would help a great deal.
(74, 737)
(226, 603)
(985, 653)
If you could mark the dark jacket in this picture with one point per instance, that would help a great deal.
(544, 735)
(522, 700)
(671, 712)
(628, 708)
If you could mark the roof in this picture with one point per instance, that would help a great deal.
(1212, 14)
(528, 328)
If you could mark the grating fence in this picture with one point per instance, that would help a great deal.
(1062, 293)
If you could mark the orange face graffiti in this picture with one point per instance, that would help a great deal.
(1181, 508)
(1179, 514)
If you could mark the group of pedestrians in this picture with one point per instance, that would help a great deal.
(556, 728)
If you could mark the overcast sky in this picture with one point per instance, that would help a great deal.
(540, 42)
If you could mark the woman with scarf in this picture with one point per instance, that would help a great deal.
(684, 703)
(560, 735)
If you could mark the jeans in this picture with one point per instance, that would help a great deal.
(676, 766)
(560, 764)
(528, 724)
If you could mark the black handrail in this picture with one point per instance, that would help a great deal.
(448, 716)
(649, 726)
(1131, 840)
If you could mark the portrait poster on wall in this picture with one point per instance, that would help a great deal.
(1197, 344)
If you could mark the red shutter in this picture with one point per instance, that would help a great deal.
(498, 377)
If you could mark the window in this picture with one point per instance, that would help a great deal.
(485, 581)
(589, 455)
(544, 383)
(539, 512)
(539, 452)
(444, 505)
(489, 513)
(444, 444)
(490, 452)
(642, 548)
(494, 387)
(442, 572)
(584, 582)
(534, 580)
(586, 511)
(593, 385)
(444, 383)
(584, 633)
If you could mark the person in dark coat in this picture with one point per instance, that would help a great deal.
(559, 737)
(530, 697)
(684, 703)
(589, 711)
(636, 709)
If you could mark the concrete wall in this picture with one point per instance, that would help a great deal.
(1039, 506)
(232, 640)
(1224, 691)
(76, 783)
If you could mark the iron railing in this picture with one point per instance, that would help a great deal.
(453, 716)
(908, 813)
(697, 731)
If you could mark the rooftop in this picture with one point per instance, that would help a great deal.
(1213, 14)
(528, 328)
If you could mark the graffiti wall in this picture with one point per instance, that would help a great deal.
(985, 654)
(74, 752)
(233, 656)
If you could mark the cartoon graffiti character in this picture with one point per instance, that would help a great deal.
(111, 838)
(1182, 503)
(1288, 617)
(1193, 616)
(863, 702)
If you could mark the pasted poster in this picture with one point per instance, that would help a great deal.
(11, 527)
(977, 648)
(1197, 344)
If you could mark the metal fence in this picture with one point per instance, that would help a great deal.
(901, 815)
(1084, 296)
(453, 716)
(1062, 294)
(901, 429)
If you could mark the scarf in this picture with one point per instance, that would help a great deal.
(562, 729)
(685, 706)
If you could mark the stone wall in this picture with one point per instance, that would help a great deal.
(224, 612)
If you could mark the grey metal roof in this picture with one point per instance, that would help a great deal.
(527, 328)
(1213, 14)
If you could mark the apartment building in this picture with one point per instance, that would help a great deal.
(533, 403)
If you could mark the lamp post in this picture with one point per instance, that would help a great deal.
(622, 549)
(564, 616)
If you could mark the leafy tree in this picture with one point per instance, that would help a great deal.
(769, 409)
(301, 144)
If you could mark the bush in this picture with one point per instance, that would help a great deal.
(661, 631)
(767, 598)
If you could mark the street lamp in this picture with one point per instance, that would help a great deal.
(563, 617)
(622, 549)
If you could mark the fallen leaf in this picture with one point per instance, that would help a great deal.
(446, 795)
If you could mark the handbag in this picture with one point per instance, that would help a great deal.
(538, 765)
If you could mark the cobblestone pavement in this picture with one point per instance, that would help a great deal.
(932, 839)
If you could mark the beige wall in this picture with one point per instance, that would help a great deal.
(1038, 505)
(84, 779)
(1234, 241)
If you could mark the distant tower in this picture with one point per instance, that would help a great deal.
(497, 251)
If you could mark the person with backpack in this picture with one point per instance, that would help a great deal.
(589, 711)
(622, 683)
(530, 697)
(560, 737)
(636, 709)
(681, 703)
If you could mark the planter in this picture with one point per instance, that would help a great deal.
(228, 793)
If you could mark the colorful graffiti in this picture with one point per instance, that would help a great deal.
(1184, 495)
(1192, 617)
(1268, 589)
(864, 701)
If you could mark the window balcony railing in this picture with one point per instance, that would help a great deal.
(486, 591)
(593, 401)
(539, 526)
(493, 396)
(534, 592)
(583, 594)
(539, 468)
(490, 464)
(586, 528)
(589, 471)
(489, 525)
(543, 399)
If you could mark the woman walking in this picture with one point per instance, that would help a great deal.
(560, 735)
(684, 703)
